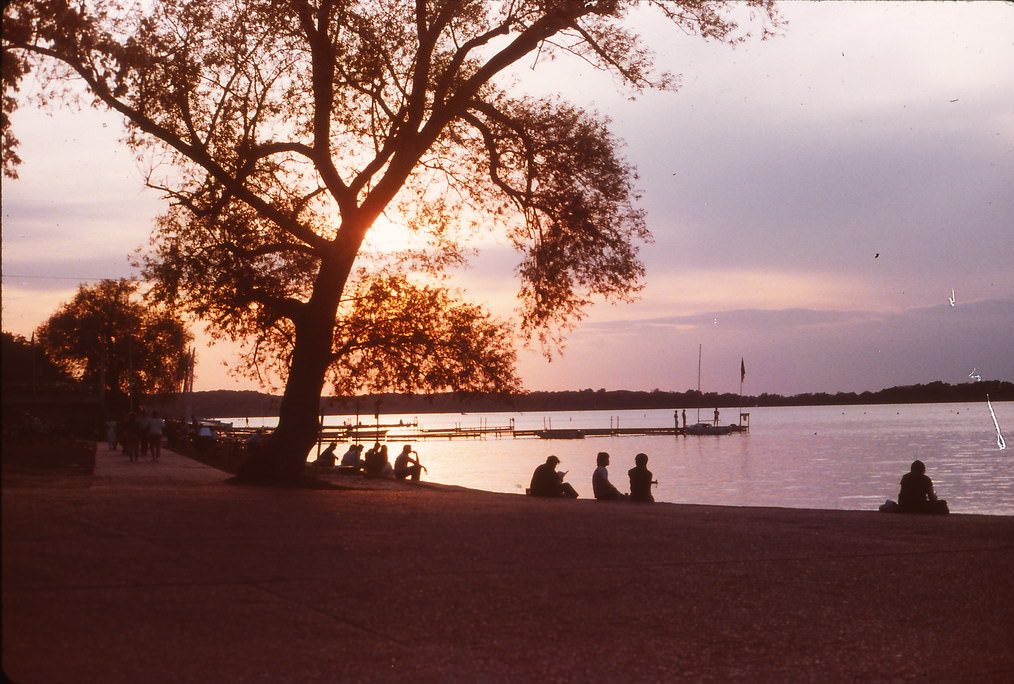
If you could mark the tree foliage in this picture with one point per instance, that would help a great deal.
(284, 129)
(25, 366)
(107, 337)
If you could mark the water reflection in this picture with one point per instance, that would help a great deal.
(797, 457)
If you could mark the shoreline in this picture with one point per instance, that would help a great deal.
(390, 581)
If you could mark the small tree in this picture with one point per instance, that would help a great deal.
(106, 338)
(26, 367)
(291, 126)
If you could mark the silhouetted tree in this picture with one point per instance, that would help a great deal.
(25, 365)
(291, 126)
(107, 338)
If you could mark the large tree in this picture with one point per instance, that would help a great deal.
(107, 338)
(291, 126)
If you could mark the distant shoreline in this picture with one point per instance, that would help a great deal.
(247, 403)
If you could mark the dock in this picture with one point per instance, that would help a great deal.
(413, 432)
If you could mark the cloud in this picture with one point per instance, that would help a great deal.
(787, 351)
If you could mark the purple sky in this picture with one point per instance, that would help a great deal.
(771, 181)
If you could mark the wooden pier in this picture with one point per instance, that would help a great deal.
(412, 432)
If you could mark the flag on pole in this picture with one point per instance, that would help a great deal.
(742, 369)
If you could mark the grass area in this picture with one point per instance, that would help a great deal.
(46, 456)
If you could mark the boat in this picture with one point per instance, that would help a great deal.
(709, 429)
(701, 428)
(560, 434)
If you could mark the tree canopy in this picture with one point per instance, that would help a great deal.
(106, 338)
(282, 131)
(25, 366)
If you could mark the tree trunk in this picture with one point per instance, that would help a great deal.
(280, 459)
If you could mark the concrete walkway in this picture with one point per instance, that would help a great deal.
(163, 572)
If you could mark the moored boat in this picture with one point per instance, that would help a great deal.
(560, 434)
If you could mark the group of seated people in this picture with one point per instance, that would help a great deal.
(376, 462)
(548, 482)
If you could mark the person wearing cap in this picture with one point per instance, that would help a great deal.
(547, 482)
(641, 480)
(603, 488)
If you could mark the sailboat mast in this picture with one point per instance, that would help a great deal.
(699, 382)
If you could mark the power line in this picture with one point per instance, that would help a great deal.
(44, 277)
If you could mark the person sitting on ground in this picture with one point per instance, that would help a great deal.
(547, 482)
(352, 458)
(917, 495)
(641, 480)
(327, 457)
(603, 488)
(377, 462)
(406, 466)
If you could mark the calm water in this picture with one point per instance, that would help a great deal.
(849, 457)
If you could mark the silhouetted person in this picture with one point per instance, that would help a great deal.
(547, 482)
(917, 495)
(130, 436)
(142, 432)
(156, 426)
(111, 434)
(716, 417)
(684, 419)
(352, 457)
(640, 479)
(603, 488)
(406, 466)
(377, 462)
(327, 458)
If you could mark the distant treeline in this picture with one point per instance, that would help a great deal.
(238, 404)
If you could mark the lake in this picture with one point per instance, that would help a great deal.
(837, 457)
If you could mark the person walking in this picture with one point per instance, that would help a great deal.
(156, 427)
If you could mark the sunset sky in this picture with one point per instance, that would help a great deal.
(815, 199)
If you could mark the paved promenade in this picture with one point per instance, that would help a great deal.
(163, 572)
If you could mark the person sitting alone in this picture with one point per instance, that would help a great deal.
(641, 480)
(547, 482)
(917, 495)
(406, 466)
(601, 486)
